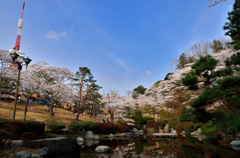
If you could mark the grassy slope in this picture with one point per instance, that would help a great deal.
(40, 113)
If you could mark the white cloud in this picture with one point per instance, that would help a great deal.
(53, 35)
(117, 60)
(148, 72)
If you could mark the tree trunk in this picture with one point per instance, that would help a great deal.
(111, 117)
(234, 111)
(25, 112)
(78, 111)
(51, 112)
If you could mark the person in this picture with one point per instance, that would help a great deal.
(103, 120)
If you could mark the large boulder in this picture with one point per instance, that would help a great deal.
(102, 149)
(135, 130)
(44, 151)
(58, 145)
(79, 139)
(89, 135)
(235, 144)
(23, 154)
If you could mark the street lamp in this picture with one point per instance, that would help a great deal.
(14, 56)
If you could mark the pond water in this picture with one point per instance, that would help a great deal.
(139, 147)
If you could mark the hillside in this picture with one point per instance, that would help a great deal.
(172, 96)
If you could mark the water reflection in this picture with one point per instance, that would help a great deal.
(149, 148)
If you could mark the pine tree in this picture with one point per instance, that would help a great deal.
(233, 26)
(216, 46)
(182, 61)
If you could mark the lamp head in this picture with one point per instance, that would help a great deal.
(27, 60)
(14, 56)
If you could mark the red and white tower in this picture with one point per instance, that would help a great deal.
(16, 48)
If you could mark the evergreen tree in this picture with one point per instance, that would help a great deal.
(216, 46)
(182, 61)
(233, 26)
(138, 117)
(140, 89)
(186, 115)
(226, 90)
(204, 68)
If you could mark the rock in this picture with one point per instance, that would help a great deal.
(89, 135)
(173, 131)
(80, 143)
(96, 137)
(79, 139)
(135, 130)
(59, 145)
(111, 136)
(235, 143)
(102, 149)
(199, 130)
(96, 142)
(145, 127)
(36, 156)
(18, 142)
(44, 151)
(141, 132)
(23, 154)
(88, 142)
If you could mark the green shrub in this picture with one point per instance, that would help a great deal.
(208, 129)
(161, 123)
(174, 124)
(150, 123)
(121, 122)
(145, 118)
(188, 128)
(167, 76)
(186, 115)
(35, 127)
(28, 136)
(123, 128)
(87, 125)
(157, 82)
(196, 126)
(106, 128)
(74, 127)
(138, 117)
(4, 134)
(2, 122)
(22, 125)
(180, 126)
(13, 129)
(227, 123)
(56, 127)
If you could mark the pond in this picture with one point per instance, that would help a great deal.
(139, 147)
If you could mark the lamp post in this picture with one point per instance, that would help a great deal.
(14, 56)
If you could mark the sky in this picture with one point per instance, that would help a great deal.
(125, 43)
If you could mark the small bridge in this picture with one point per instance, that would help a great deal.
(163, 135)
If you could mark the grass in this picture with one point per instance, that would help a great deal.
(38, 112)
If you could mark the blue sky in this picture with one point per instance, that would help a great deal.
(125, 43)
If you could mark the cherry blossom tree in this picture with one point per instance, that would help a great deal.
(113, 101)
(49, 82)
(7, 78)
